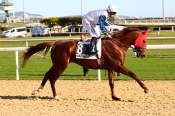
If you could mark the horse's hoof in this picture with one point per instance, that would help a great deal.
(116, 98)
(146, 90)
(34, 92)
(57, 98)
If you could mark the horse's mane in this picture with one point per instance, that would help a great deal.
(123, 32)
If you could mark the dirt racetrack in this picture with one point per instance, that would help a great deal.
(87, 98)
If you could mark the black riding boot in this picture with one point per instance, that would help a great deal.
(85, 71)
(93, 45)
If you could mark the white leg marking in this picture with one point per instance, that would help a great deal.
(35, 92)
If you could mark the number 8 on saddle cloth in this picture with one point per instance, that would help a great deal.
(83, 50)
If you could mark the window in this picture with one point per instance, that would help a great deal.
(12, 30)
(22, 29)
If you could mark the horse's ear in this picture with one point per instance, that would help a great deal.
(145, 33)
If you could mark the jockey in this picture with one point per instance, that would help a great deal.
(94, 18)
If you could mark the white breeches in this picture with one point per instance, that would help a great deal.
(92, 29)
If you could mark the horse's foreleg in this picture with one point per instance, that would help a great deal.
(111, 75)
(125, 71)
(46, 77)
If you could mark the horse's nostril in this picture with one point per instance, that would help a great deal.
(143, 56)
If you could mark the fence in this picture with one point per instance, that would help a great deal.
(17, 49)
(55, 39)
(157, 22)
(37, 40)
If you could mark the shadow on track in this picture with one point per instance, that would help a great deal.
(51, 98)
(26, 97)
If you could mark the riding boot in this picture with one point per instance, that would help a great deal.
(93, 45)
(85, 71)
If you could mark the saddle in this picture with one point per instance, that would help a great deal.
(83, 50)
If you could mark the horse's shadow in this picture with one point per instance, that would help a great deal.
(108, 100)
(25, 97)
(51, 98)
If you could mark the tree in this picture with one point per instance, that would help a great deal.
(65, 21)
(62, 21)
(50, 22)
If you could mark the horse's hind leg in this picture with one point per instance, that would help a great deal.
(111, 75)
(46, 77)
(35, 92)
(53, 73)
(125, 71)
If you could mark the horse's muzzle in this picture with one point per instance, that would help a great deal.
(140, 52)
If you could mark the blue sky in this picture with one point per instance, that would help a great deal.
(137, 8)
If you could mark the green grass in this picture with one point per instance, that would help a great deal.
(40, 37)
(165, 41)
(158, 65)
(162, 34)
(36, 68)
(23, 44)
(153, 34)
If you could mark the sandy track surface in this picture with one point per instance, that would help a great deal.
(87, 98)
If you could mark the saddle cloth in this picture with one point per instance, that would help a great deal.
(82, 51)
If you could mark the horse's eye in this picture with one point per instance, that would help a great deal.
(144, 41)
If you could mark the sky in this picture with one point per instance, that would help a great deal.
(136, 8)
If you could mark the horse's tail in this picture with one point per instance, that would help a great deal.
(34, 49)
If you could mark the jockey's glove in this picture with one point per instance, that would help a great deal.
(106, 35)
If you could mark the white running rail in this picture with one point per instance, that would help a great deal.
(17, 49)
(55, 39)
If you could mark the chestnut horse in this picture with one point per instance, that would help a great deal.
(112, 57)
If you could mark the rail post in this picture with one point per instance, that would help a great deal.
(17, 64)
(27, 43)
(99, 75)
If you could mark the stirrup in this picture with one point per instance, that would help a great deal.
(93, 49)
